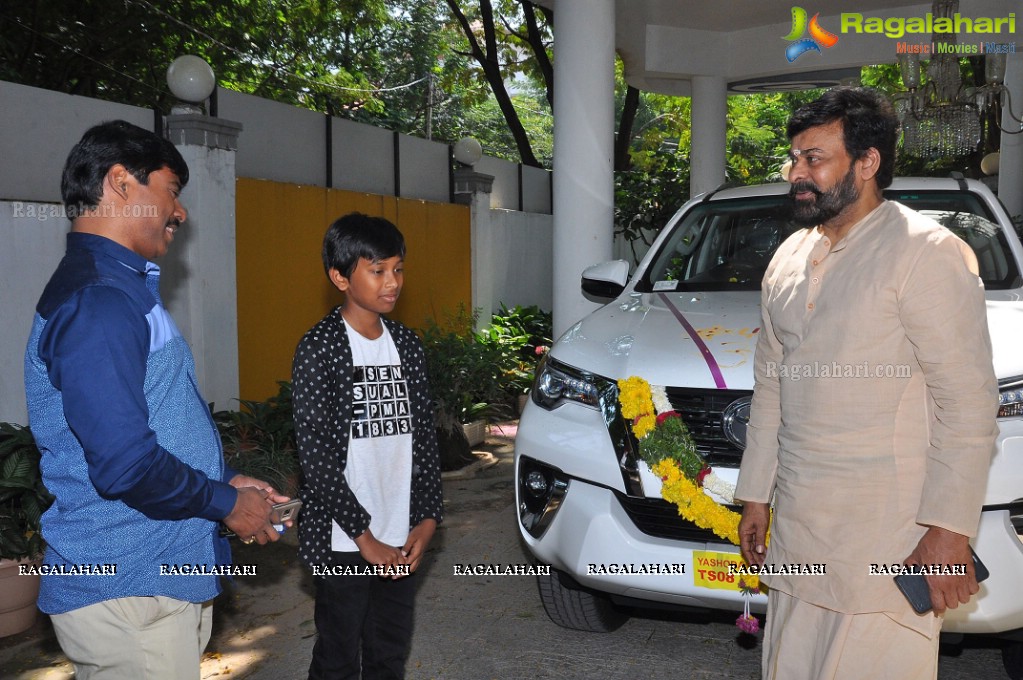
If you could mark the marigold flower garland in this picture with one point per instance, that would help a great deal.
(667, 447)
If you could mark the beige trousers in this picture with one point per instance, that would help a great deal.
(135, 638)
(805, 642)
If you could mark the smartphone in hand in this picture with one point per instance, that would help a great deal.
(283, 512)
(279, 514)
(914, 586)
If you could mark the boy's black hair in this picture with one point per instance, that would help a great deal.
(105, 145)
(868, 120)
(356, 235)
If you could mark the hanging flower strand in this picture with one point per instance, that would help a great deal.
(750, 586)
(666, 446)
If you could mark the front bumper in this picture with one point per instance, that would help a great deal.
(589, 534)
(593, 539)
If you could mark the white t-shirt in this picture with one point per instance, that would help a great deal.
(379, 468)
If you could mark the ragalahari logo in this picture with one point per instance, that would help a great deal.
(818, 36)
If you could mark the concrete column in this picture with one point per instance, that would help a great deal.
(710, 113)
(583, 150)
(1010, 164)
(473, 189)
(199, 285)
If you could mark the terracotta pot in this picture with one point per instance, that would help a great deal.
(17, 597)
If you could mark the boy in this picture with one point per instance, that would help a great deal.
(364, 423)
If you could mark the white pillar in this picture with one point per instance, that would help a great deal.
(199, 285)
(473, 189)
(710, 111)
(1010, 163)
(583, 150)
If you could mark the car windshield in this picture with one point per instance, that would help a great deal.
(726, 245)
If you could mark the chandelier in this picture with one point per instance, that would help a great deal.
(943, 118)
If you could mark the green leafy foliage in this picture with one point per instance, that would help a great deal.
(509, 41)
(259, 439)
(671, 439)
(23, 497)
(391, 63)
(656, 184)
(520, 337)
(465, 373)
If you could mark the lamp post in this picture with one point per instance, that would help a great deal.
(203, 262)
(191, 80)
(467, 152)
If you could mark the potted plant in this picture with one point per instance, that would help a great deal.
(465, 384)
(23, 499)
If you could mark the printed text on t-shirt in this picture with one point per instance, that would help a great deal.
(381, 402)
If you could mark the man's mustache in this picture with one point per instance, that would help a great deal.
(799, 187)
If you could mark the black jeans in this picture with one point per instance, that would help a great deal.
(362, 616)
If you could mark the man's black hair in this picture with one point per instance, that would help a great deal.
(356, 235)
(868, 120)
(105, 145)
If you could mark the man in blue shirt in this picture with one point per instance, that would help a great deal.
(128, 445)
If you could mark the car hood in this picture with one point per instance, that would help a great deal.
(707, 339)
(701, 339)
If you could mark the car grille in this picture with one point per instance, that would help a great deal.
(659, 518)
(701, 410)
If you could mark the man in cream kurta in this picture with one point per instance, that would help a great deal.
(873, 417)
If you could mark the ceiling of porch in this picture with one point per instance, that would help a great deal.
(664, 44)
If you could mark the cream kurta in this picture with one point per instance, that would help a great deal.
(874, 407)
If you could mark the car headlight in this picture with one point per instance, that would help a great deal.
(1010, 397)
(557, 383)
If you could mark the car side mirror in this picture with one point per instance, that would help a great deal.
(606, 280)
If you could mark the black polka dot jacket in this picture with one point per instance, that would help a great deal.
(322, 384)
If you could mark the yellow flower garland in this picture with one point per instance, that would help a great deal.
(694, 505)
(636, 398)
(644, 425)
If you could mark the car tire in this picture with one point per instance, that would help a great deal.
(1012, 659)
(576, 608)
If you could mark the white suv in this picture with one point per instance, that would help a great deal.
(687, 320)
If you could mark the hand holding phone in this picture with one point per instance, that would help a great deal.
(914, 586)
(285, 512)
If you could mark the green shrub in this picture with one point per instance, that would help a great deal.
(519, 337)
(465, 373)
(259, 439)
(23, 498)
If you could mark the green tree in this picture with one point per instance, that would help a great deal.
(291, 50)
(654, 180)
(387, 62)
(656, 183)
(511, 41)
(508, 41)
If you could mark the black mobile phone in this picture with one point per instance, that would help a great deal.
(914, 586)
